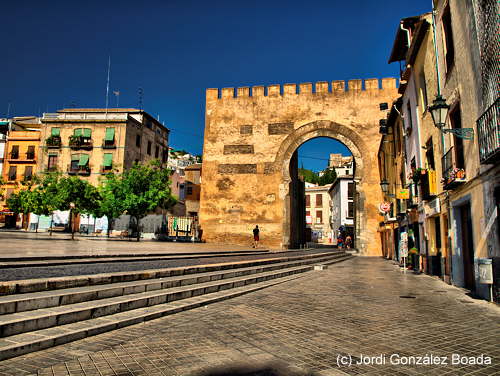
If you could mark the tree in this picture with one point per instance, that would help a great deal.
(309, 176)
(111, 204)
(45, 196)
(77, 195)
(145, 187)
(328, 177)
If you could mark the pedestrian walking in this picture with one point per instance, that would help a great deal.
(348, 241)
(256, 239)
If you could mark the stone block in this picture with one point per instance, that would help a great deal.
(246, 168)
(238, 149)
(279, 128)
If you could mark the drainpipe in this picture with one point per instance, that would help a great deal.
(448, 211)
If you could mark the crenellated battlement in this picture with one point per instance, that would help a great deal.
(306, 88)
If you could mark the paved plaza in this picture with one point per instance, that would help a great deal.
(361, 307)
(27, 244)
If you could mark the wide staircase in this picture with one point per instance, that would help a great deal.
(37, 314)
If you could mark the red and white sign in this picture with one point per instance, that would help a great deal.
(385, 207)
(309, 219)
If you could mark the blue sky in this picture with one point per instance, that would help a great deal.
(54, 54)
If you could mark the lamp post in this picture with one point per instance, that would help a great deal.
(384, 185)
(439, 111)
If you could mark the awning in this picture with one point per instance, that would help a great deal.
(87, 132)
(84, 160)
(56, 131)
(108, 159)
(77, 132)
(75, 157)
(110, 134)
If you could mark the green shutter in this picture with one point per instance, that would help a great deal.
(110, 134)
(87, 132)
(75, 157)
(56, 131)
(84, 160)
(108, 160)
(77, 132)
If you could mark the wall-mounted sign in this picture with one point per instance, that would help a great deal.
(403, 194)
(309, 219)
(385, 207)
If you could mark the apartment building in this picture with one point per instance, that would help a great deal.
(342, 210)
(90, 142)
(318, 213)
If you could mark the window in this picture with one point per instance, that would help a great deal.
(456, 123)
(423, 92)
(319, 216)
(12, 173)
(52, 164)
(350, 209)
(107, 162)
(449, 50)
(189, 191)
(350, 191)
(164, 156)
(319, 200)
(308, 213)
(308, 200)
(157, 151)
(347, 172)
(28, 172)
(410, 119)
(30, 154)
(14, 152)
(109, 137)
(75, 160)
(55, 132)
(138, 140)
(429, 154)
(149, 148)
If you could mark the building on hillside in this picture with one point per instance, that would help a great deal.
(392, 170)
(90, 142)
(21, 156)
(344, 166)
(192, 186)
(317, 213)
(342, 208)
(177, 183)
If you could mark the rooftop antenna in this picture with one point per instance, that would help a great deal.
(117, 95)
(107, 85)
(141, 93)
(8, 109)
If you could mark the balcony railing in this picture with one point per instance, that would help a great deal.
(488, 131)
(106, 169)
(53, 142)
(452, 176)
(79, 170)
(16, 157)
(109, 144)
(78, 142)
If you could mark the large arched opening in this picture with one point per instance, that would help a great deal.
(294, 207)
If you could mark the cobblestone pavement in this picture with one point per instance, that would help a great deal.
(361, 306)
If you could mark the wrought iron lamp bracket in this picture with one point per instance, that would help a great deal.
(465, 133)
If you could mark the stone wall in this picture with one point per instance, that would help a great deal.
(250, 138)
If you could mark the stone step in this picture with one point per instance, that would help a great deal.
(22, 322)
(54, 283)
(47, 299)
(11, 264)
(20, 344)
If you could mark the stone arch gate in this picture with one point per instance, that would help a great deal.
(249, 149)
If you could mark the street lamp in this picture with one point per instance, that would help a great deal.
(384, 184)
(439, 111)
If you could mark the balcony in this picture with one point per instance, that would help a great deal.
(79, 170)
(17, 158)
(488, 131)
(428, 185)
(53, 142)
(79, 142)
(453, 177)
(106, 170)
(109, 144)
